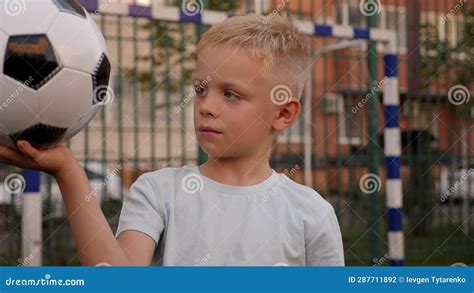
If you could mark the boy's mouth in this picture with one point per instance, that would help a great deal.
(208, 130)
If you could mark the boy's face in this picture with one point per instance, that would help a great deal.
(233, 98)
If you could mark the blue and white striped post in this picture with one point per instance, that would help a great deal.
(31, 220)
(392, 135)
(392, 147)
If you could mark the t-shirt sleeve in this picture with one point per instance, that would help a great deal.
(141, 210)
(325, 248)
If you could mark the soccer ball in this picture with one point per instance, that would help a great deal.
(54, 71)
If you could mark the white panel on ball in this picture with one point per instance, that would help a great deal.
(3, 48)
(81, 123)
(99, 34)
(19, 106)
(59, 105)
(77, 49)
(5, 140)
(40, 14)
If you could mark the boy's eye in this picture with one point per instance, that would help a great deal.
(231, 95)
(200, 90)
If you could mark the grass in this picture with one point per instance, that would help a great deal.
(442, 245)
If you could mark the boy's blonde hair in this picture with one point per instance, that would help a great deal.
(273, 40)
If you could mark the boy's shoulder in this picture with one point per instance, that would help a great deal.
(305, 195)
(315, 211)
(161, 185)
(166, 174)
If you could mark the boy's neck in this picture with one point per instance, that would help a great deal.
(242, 171)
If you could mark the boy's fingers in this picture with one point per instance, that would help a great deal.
(6, 161)
(6, 152)
(26, 148)
(9, 155)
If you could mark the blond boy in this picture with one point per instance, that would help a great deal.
(234, 209)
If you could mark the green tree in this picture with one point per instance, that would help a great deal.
(441, 59)
(173, 50)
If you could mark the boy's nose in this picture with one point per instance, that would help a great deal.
(210, 106)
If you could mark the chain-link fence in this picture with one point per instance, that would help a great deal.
(149, 124)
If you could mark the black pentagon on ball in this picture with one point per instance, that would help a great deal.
(100, 79)
(70, 6)
(30, 59)
(40, 135)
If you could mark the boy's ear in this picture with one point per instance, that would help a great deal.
(287, 115)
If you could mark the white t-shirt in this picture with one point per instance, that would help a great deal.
(198, 221)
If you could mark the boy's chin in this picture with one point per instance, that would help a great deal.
(218, 154)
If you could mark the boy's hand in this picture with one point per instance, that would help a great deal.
(55, 160)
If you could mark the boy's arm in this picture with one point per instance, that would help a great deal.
(325, 248)
(92, 234)
(94, 239)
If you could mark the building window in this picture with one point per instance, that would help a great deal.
(422, 116)
(451, 30)
(396, 20)
(347, 130)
